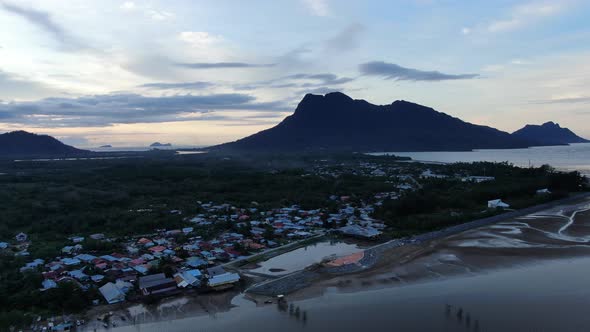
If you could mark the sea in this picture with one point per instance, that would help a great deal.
(565, 157)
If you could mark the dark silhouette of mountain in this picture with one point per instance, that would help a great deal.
(106, 146)
(22, 143)
(158, 144)
(337, 122)
(549, 133)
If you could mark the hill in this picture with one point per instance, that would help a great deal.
(22, 143)
(337, 122)
(549, 133)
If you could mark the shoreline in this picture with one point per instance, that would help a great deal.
(384, 273)
(313, 281)
(298, 280)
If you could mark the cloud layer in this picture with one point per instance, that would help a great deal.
(393, 71)
(218, 65)
(104, 110)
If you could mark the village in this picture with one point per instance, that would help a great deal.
(168, 262)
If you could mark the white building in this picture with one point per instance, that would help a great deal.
(497, 203)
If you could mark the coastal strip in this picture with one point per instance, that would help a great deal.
(301, 279)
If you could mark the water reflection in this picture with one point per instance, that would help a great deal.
(461, 317)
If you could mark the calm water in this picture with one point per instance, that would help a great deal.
(512, 300)
(303, 257)
(572, 157)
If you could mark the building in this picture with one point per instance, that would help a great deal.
(195, 262)
(497, 204)
(219, 279)
(21, 237)
(98, 236)
(111, 293)
(156, 284)
(188, 279)
(359, 231)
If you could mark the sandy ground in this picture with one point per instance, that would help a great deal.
(552, 234)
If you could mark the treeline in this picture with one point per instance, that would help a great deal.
(22, 301)
(444, 202)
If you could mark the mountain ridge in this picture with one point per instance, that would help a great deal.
(21, 143)
(335, 121)
(548, 133)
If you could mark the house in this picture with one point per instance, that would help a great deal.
(79, 275)
(478, 179)
(111, 293)
(32, 265)
(48, 284)
(195, 262)
(70, 261)
(85, 258)
(156, 284)
(359, 231)
(188, 278)
(497, 204)
(157, 249)
(98, 236)
(543, 191)
(77, 239)
(220, 279)
(21, 237)
(97, 277)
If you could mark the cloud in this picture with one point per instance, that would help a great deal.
(317, 7)
(347, 39)
(222, 65)
(128, 5)
(185, 85)
(148, 10)
(109, 109)
(397, 72)
(44, 21)
(13, 86)
(306, 81)
(571, 100)
(465, 31)
(199, 38)
(325, 79)
(523, 15)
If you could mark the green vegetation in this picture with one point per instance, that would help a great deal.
(445, 202)
(51, 201)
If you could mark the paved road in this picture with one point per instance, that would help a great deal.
(301, 279)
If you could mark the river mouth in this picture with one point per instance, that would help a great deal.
(525, 274)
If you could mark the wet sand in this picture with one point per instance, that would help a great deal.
(558, 233)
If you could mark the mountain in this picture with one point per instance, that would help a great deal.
(22, 143)
(105, 146)
(158, 144)
(338, 122)
(548, 133)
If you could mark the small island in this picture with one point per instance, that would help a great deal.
(105, 146)
(158, 144)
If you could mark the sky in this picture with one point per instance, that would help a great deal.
(199, 72)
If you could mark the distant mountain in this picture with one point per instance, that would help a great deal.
(548, 133)
(158, 144)
(338, 122)
(22, 143)
(106, 146)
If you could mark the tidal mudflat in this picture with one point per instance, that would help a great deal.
(529, 273)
